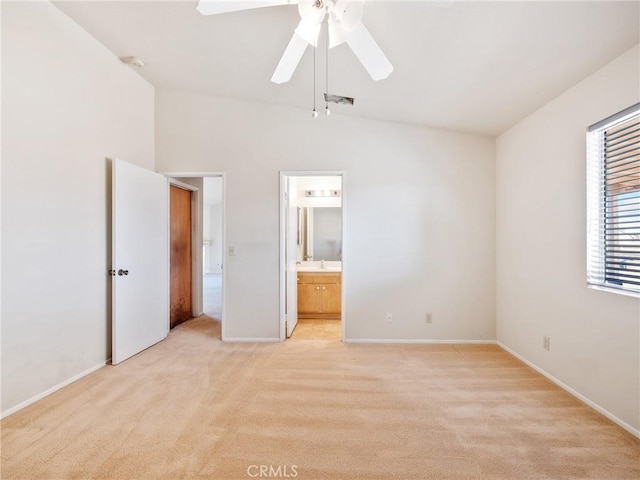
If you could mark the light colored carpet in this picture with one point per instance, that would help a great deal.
(193, 407)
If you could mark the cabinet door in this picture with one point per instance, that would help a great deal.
(309, 298)
(321, 278)
(331, 298)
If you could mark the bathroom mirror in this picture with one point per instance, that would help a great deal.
(319, 234)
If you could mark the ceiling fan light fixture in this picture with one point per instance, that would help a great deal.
(344, 17)
(311, 11)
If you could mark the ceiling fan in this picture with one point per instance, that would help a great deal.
(344, 18)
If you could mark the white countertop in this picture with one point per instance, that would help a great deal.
(320, 267)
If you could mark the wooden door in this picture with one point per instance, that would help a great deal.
(180, 256)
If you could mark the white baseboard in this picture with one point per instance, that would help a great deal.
(250, 340)
(579, 396)
(55, 388)
(418, 341)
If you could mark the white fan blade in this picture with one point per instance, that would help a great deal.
(213, 7)
(369, 53)
(345, 17)
(348, 12)
(290, 59)
(309, 32)
(337, 34)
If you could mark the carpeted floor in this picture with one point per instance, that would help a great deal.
(193, 407)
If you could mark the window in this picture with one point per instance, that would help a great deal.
(613, 202)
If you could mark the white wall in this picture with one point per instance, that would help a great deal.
(541, 244)
(419, 202)
(67, 105)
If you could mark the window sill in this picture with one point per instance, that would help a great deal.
(625, 293)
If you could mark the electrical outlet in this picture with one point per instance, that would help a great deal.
(232, 251)
(389, 317)
(427, 318)
(546, 343)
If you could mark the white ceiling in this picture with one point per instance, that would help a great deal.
(466, 66)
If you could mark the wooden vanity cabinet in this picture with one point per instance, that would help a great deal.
(319, 295)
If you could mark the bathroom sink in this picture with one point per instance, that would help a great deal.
(314, 266)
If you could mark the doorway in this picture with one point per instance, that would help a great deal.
(207, 241)
(312, 252)
(212, 251)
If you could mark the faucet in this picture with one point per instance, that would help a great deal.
(322, 266)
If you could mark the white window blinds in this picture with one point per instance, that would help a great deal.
(613, 202)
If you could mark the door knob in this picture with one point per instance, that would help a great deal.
(123, 272)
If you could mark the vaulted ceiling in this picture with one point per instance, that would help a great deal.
(466, 66)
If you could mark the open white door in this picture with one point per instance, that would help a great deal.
(140, 279)
(291, 251)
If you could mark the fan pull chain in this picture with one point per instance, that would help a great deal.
(314, 113)
(327, 112)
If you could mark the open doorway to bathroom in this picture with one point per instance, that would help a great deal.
(312, 253)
